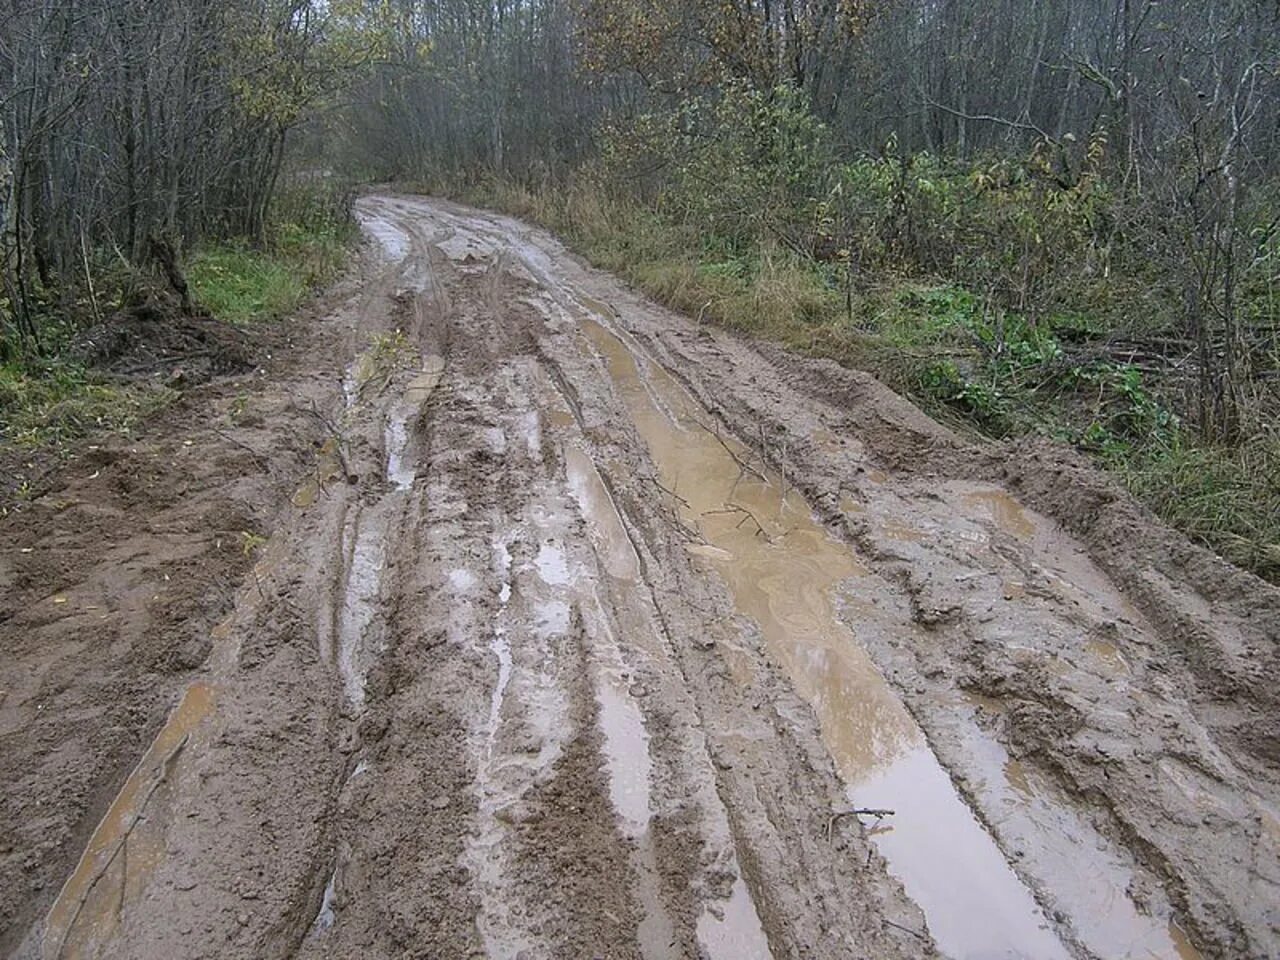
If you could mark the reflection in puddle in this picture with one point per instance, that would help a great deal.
(784, 572)
(356, 646)
(604, 525)
(127, 846)
(727, 930)
(950, 866)
(731, 931)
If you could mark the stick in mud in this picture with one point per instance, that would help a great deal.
(855, 812)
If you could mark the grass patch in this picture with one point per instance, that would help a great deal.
(306, 246)
(241, 285)
(63, 402)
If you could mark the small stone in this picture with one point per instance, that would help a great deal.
(441, 803)
(242, 919)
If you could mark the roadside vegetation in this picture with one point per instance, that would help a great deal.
(1104, 378)
(75, 386)
(144, 184)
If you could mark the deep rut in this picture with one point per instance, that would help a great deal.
(589, 627)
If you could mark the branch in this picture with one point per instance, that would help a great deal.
(988, 118)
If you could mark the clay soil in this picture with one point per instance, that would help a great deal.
(498, 612)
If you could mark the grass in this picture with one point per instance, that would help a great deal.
(62, 402)
(305, 247)
(963, 359)
(242, 285)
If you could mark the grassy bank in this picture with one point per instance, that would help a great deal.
(48, 400)
(305, 247)
(969, 361)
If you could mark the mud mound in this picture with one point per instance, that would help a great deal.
(156, 336)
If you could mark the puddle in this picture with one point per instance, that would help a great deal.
(419, 389)
(126, 847)
(728, 930)
(609, 536)
(1005, 512)
(486, 850)
(326, 915)
(731, 930)
(784, 571)
(393, 240)
(400, 471)
(355, 645)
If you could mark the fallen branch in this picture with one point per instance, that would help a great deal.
(744, 467)
(734, 509)
(915, 933)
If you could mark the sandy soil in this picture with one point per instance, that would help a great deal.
(583, 630)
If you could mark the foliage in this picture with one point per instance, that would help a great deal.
(63, 401)
(306, 245)
(963, 355)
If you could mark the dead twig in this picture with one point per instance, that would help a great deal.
(744, 466)
(915, 933)
(855, 812)
(733, 509)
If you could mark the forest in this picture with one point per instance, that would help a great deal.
(646, 479)
(1054, 219)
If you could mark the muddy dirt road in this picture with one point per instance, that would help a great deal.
(583, 631)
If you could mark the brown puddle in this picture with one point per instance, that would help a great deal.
(1090, 877)
(785, 571)
(126, 847)
(1007, 513)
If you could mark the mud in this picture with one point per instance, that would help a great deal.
(584, 630)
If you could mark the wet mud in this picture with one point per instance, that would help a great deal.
(584, 630)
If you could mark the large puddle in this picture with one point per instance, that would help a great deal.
(785, 572)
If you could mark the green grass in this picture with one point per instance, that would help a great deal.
(241, 285)
(967, 361)
(46, 402)
(63, 402)
(306, 247)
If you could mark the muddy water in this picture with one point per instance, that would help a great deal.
(126, 847)
(786, 572)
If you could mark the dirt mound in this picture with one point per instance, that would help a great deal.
(157, 337)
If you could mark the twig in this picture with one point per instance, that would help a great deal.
(743, 465)
(671, 493)
(336, 434)
(736, 508)
(856, 812)
(897, 926)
